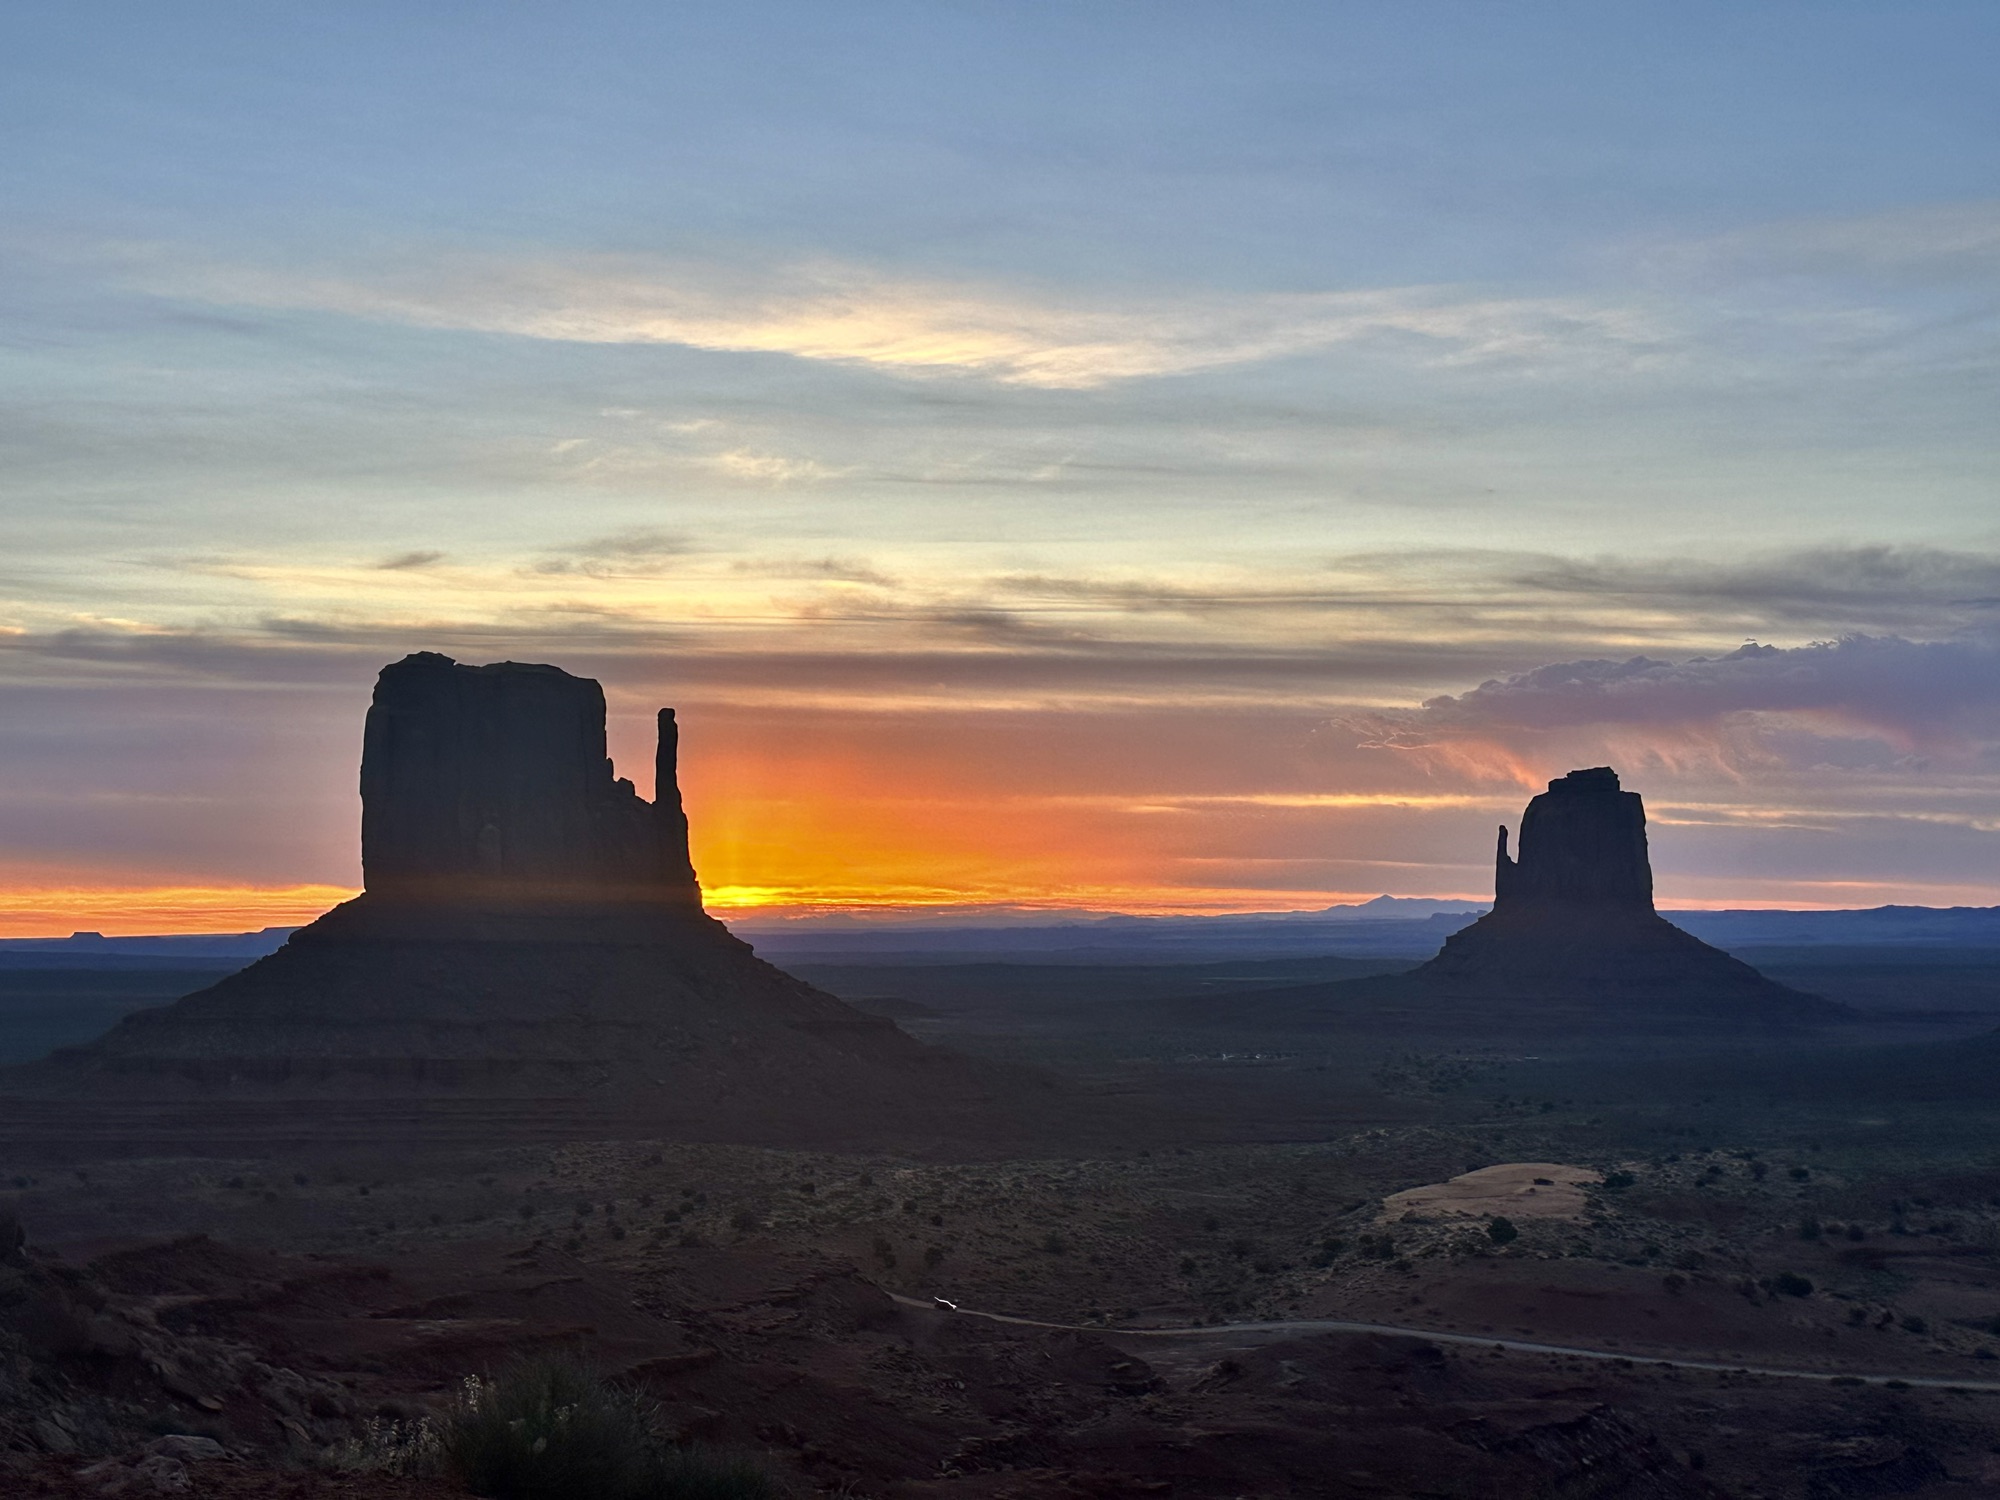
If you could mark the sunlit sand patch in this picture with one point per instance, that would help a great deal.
(1516, 1189)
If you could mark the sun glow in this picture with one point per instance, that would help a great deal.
(142, 911)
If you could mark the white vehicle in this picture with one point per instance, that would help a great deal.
(942, 1305)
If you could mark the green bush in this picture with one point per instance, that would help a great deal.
(552, 1430)
(1502, 1231)
(1791, 1284)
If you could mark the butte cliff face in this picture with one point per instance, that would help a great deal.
(530, 956)
(1573, 924)
(1583, 847)
(493, 781)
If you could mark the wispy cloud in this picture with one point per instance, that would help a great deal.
(636, 551)
(406, 562)
(854, 315)
(1925, 241)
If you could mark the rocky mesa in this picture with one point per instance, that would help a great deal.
(530, 954)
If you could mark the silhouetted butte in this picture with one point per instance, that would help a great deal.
(1573, 921)
(531, 936)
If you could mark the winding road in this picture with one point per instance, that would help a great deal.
(1223, 1333)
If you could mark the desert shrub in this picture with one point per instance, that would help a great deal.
(1911, 1323)
(1809, 1229)
(744, 1220)
(1791, 1284)
(1617, 1181)
(1502, 1231)
(552, 1430)
(934, 1256)
(1053, 1245)
(388, 1446)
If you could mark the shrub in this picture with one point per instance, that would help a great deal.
(1502, 1231)
(1617, 1181)
(1791, 1284)
(552, 1430)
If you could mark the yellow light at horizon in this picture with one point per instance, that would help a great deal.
(139, 911)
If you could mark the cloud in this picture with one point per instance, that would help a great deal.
(1925, 242)
(1840, 586)
(853, 315)
(636, 551)
(404, 562)
(1914, 697)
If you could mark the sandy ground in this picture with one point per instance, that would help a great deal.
(1516, 1189)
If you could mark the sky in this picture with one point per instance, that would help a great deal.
(1134, 456)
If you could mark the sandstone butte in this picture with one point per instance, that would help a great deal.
(1573, 923)
(529, 954)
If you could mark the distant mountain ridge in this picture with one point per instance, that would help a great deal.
(1390, 925)
(158, 945)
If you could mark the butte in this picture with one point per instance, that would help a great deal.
(1573, 923)
(1572, 946)
(530, 957)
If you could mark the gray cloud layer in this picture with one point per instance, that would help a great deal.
(1920, 695)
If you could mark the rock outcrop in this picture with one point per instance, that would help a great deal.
(493, 781)
(1573, 923)
(530, 953)
(1583, 847)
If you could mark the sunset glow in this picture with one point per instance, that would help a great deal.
(144, 911)
(1165, 468)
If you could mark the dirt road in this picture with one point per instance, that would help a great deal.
(1223, 1337)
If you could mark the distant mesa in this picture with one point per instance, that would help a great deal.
(1573, 921)
(530, 954)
